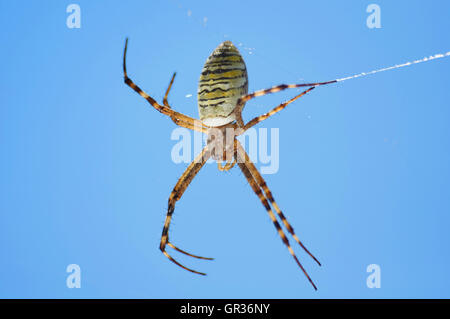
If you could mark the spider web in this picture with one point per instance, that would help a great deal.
(203, 20)
(397, 66)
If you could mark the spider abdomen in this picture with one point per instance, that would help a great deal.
(222, 82)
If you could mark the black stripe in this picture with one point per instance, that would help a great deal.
(212, 105)
(223, 78)
(217, 71)
(224, 54)
(223, 90)
(278, 87)
(220, 82)
(214, 98)
(216, 89)
(277, 225)
(283, 237)
(267, 206)
(214, 63)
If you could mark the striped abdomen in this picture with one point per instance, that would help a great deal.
(222, 82)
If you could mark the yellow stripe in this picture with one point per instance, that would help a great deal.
(229, 74)
(231, 58)
(218, 94)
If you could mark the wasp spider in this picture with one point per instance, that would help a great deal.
(222, 94)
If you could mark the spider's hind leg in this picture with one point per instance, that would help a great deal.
(262, 184)
(265, 196)
(176, 194)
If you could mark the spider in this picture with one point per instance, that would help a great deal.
(222, 94)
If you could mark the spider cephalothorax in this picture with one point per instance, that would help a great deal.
(222, 94)
(220, 142)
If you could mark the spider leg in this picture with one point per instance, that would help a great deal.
(186, 253)
(229, 165)
(165, 102)
(197, 126)
(262, 184)
(257, 189)
(277, 109)
(176, 194)
(179, 118)
(244, 99)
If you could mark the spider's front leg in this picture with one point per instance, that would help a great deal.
(244, 99)
(176, 194)
(179, 118)
(194, 125)
(165, 101)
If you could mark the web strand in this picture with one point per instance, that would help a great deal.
(397, 66)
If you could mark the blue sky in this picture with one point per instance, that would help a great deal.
(85, 165)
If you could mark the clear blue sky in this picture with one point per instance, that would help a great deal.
(85, 165)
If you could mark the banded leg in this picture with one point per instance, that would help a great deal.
(195, 126)
(165, 101)
(277, 109)
(176, 194)
(257, 189)
(244, 99)
(179, 118)
(262, 184)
